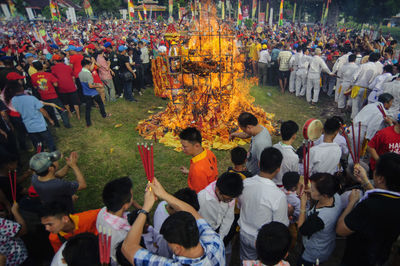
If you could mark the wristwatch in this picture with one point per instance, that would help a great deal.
(142, 211)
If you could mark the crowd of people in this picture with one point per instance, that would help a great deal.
(261, 205)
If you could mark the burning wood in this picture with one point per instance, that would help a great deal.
(206, 88)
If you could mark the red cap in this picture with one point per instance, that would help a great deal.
(14, 76)
(347, 42)
(91, 46)
(56, 57)
(71, 43)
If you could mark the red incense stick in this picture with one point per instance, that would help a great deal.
(100, 237)
(359, 142)
(108, 247)
(348, 143)
(354, 143)
(13, 185)
(151, 163)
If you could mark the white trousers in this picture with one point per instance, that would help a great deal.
(301, 82)
(313, 86)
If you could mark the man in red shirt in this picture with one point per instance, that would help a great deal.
(44, 82)
(203, 165)
(384, 141)
(75, 60)
(66, 85)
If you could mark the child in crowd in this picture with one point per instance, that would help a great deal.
(239, 159)
(290, 162)
(292, 188)
(272, 244)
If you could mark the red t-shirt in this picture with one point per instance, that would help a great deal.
(75, 61)
(384, 141)
(65, 76)
(96, 77)
(43, 81)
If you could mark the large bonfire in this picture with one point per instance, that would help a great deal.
(205, 85)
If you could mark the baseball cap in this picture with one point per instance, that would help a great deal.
(14, 76)
(91, 46)
(70, 48)
(122, 48)
(398, 118)
(54, 46)
(42, 161)
(29, 55)
(56, 57)
(107, 44)
(78, 49)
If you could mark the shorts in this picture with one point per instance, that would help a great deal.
(284, 74)
(70, 98)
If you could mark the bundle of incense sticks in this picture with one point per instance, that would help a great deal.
(104, 245)
(13, 184)
(355, 147)
(146, 153)
(306, 160)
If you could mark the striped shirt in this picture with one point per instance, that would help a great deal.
(214, 251)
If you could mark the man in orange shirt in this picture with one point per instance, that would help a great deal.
(203, 165)
(62, 225)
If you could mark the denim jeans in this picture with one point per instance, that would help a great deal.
(127, 85)
(43, 137)
(89, 103)
(63, 113)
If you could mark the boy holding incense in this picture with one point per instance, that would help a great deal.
(117, 198)
(239, 159)
(325, 157)
(203, 165)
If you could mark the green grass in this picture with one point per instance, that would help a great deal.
(99, 165)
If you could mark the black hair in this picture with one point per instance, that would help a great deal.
(121, 260)
(191, 134)
(11, 88)
(116, 193)
(273, 242)
(373, 57)
(393, 42)
(290, 180)
(270, 160)
(8, 158)
(338, 118)
(288, 129)
(352, 58)
(230, 184)
(85, 62)
(38, 65)
(385, 98)
(82, 249)
(189, 196)
(388, 69)
(326, 183)
(331, 126)
(246, 119)
(238, 156)
(55, 208)
(181, 228)
(388, 167)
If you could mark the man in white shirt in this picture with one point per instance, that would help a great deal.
(365, 76)
(263, 61)
(146, 63)
(393, 88)
(217, 202)
(343, 60)
(325, 157)
(347, 78)
(261, 202)
(294, 66)
(283, 62)
(290, 162)
(377, 85)
(317, 65)
(301, 73)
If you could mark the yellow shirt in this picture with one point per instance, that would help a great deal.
(32, 71)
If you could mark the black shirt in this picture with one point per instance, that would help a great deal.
(376, 225)
(123, 59)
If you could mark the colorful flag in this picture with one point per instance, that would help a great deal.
(179, 11)
(294, 10)
(12, 7)
(326, 10)
(192, 9)
(254, 9)
(267, 12)
(281, 14)
(171, 7)
(140, 16)
(88, 8)
(144, 11)
(54, 10)
(223, 10)
(131, 10)
(240, 16)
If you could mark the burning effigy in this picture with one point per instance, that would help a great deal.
(203, 79)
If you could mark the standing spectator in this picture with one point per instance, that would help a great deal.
(145, 57)
(138, 82)
(44, 82)
(377, 84)
(290, 162)
(67, 90)
(33, 113)
(126, 73)
(283, 62)
(346, 78)
(318, 223)
(203, 165)
(371, 224)
(48, 182)
(274, 64)
(302, 72)
(113, 57)
(264, 60)
(393, 88)
(89, 91)
(105, 74)
(261, 202)
(260, 139)
(11, 245)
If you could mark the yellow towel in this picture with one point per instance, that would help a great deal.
(354, 91)
(340, 89)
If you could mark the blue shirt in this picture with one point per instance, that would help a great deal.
(214, 251)
(86, 78)
(29, 108)
(274, 54)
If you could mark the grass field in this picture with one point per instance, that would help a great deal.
(106, 152)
